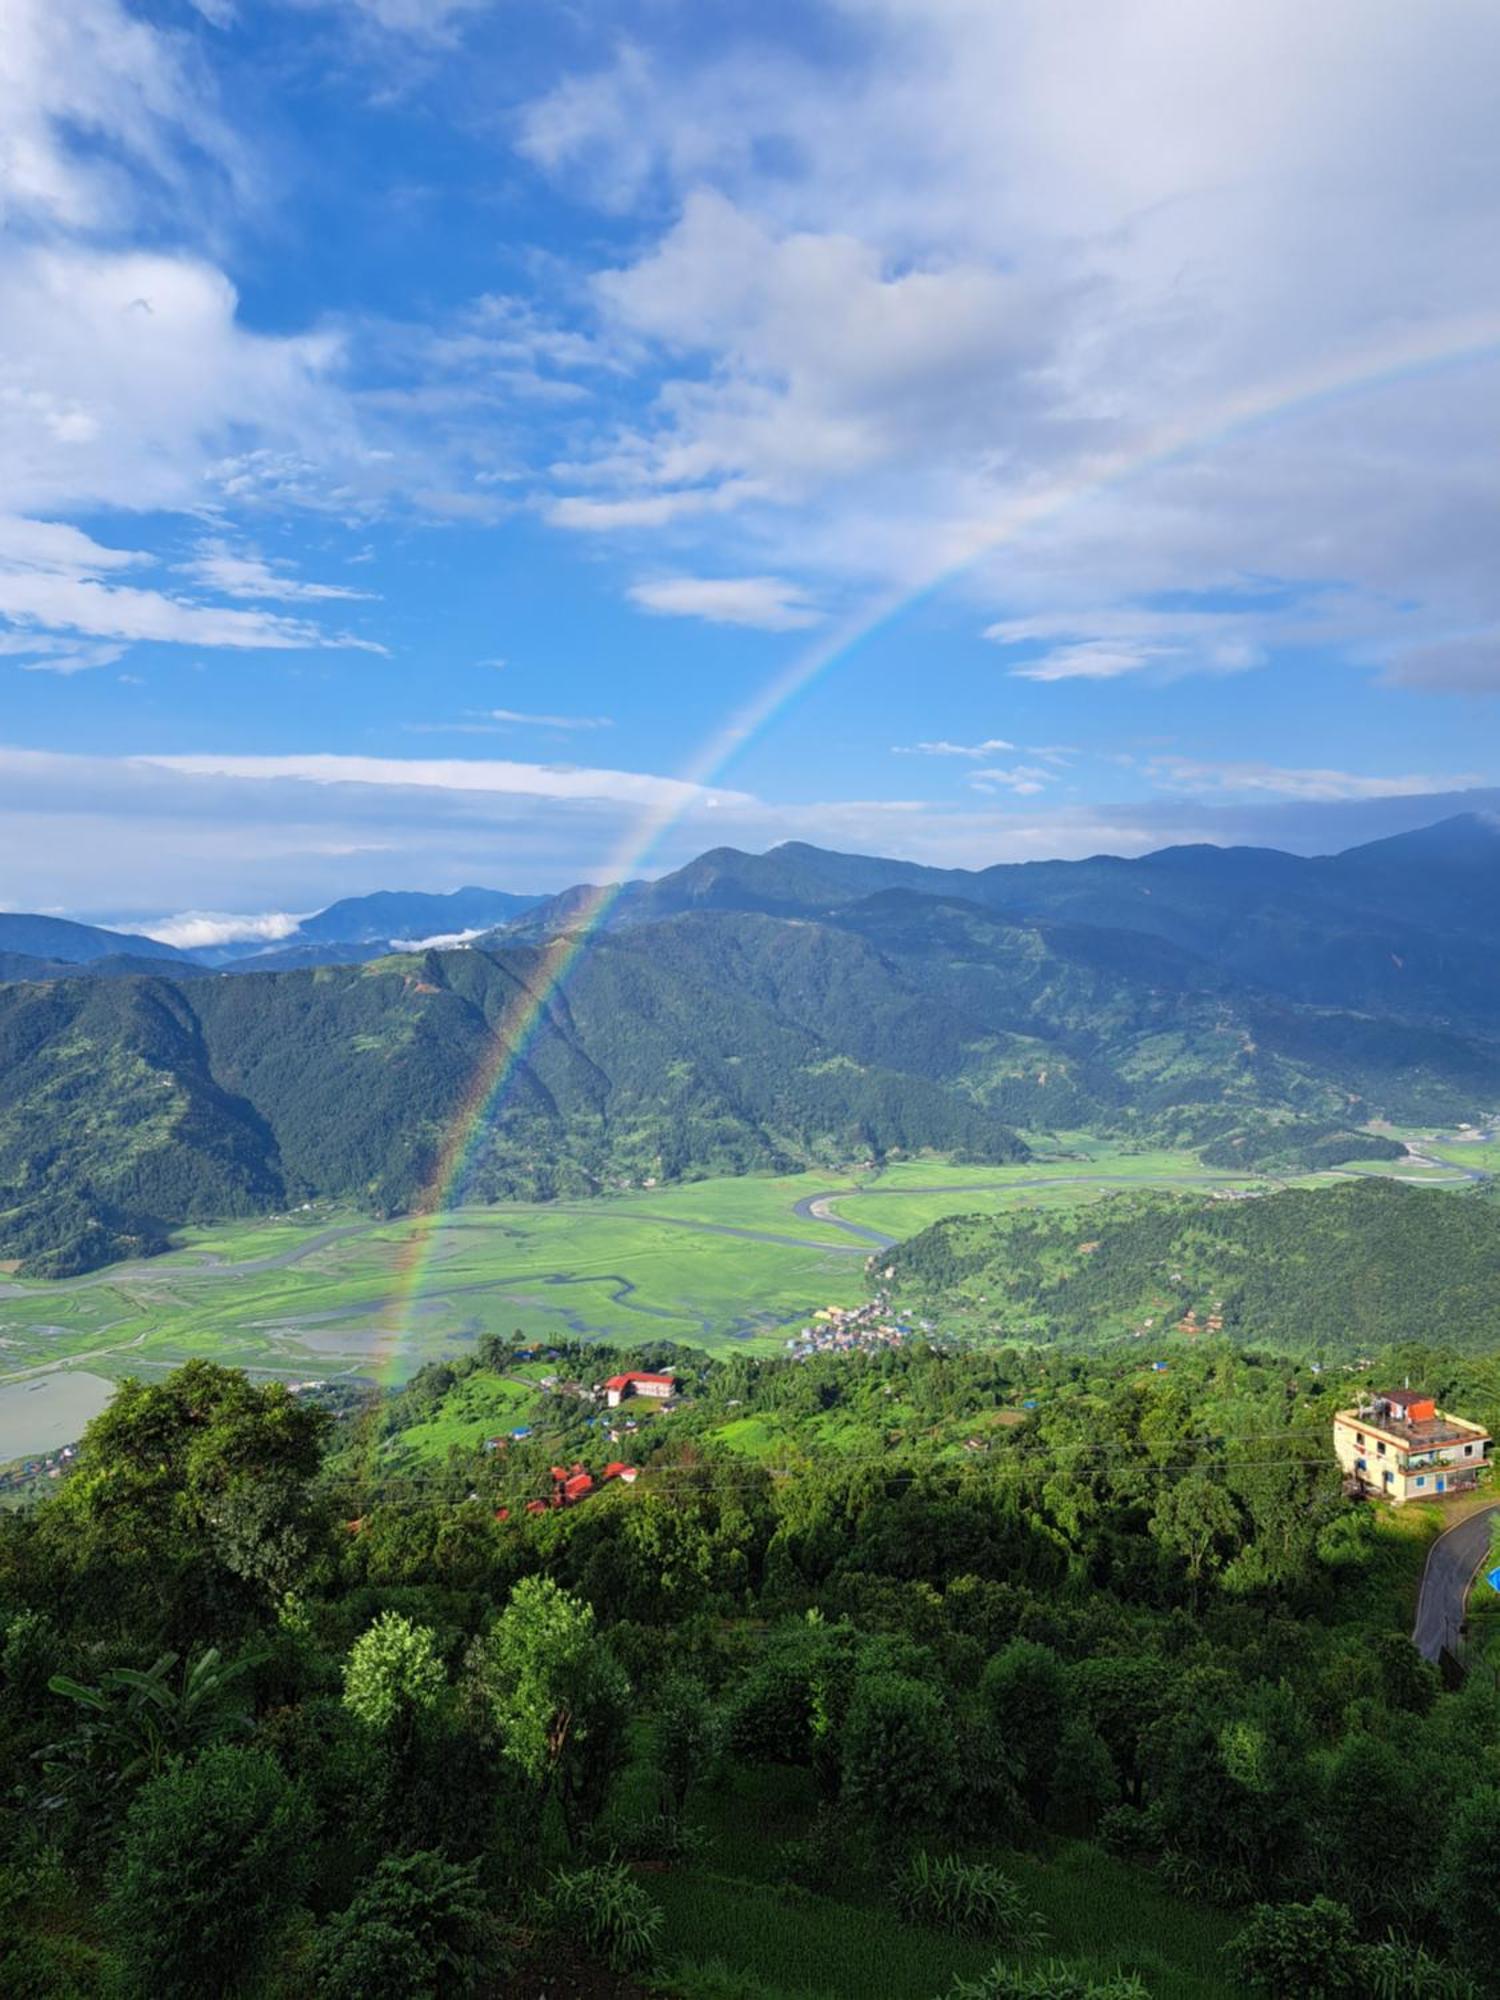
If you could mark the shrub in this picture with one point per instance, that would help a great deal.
(897, 1751)
(609, 1913)
(209, 1868)
(1289, 1949)
(1058, 1979)
(661, 1837)
(418, 1929)
(968, 1898)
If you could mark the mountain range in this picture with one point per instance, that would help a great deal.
(746, 1012)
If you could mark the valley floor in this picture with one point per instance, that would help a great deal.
(715, 1263)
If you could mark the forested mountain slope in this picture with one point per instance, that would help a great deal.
(1326, 1272)
(710, 1042)
(1389, 928)
(145, 1102)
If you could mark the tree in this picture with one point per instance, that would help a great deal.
(556, 1695)
(189, 1509)
(210, 1867)
(1196, 1519)
(1467, 1886)
(898, 1760)
(1025, 1690)
(393, 1673)
(417, 1929)
(1298, 1951)
(687, 1735)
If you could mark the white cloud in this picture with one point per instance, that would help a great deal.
(82, 833)
(442, 941)
(651, 510)
(1091, 660)
(92, 69)
(942, 748)
(517, 715)
(767, 603)
(246, 573)
(567, 782)
(1073, 297)
(198, 930)
(56, 580)
(1252, 780)
(420, 20)
(57, 656)
(1468, 664)
(1026, 780)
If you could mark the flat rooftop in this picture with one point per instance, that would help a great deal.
(1426, 1434)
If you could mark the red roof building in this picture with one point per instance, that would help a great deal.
(576, 1487)
(618, 1387)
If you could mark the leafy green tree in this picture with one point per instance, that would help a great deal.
(210, 1867)
(1025, 1689)
(394, 1673)
(898, 1759)
(555, 1693)
(1467, 1886)
(687, 1735)
(418, 1929)
(1197, 1520)
(1298, 1951)
(190, 1507)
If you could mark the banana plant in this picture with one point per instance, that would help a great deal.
(135, 1721)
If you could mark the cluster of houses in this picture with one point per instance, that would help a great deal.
(570, 1484)
(849, 1329)
(26, 1471)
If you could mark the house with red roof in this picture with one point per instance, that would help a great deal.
(619, 1388)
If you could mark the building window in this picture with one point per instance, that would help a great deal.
(1468, 1451)
(1359, 1437)
(1379, 1450)
(1390, 1479)
(1361, 1465)
(1421, 1482)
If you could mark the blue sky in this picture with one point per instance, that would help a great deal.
(427, 422)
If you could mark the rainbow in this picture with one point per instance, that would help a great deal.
(1456, 344)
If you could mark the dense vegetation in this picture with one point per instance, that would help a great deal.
(1327, 1273)
(1096, 1709)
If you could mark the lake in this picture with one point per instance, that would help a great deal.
(48, 1411)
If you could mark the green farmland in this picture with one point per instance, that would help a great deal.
(715, 1263)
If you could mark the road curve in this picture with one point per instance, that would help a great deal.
(1451, 1563)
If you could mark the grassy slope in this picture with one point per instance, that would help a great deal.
(849, 1945)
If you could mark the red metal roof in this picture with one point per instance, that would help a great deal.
(624, 1381)
(578, 1485)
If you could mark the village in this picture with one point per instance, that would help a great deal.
(853, 1329)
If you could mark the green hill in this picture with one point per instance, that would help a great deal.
(1325, 1272)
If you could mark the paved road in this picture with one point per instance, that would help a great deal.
(1451, 1563)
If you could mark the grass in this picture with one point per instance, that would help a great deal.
(848, 1944)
